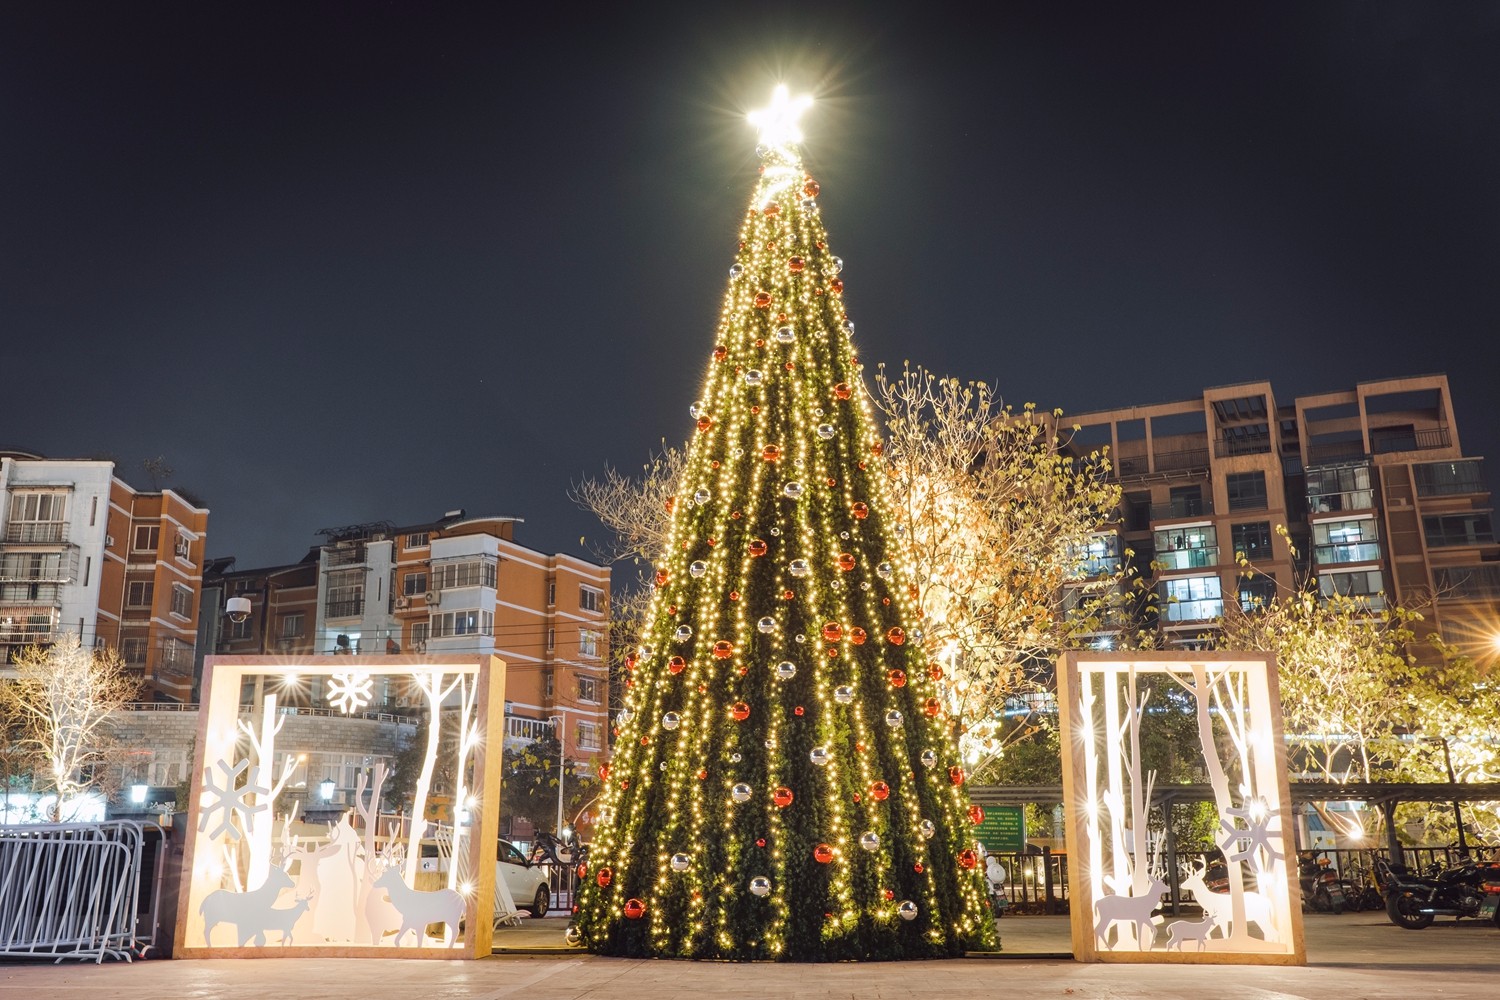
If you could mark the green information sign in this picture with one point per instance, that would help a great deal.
(1003, 829)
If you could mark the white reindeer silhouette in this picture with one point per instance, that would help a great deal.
(418, 908)
(1220, 906)
(285, 918)
(248, 911)
(1132, 910)
(1179, 932)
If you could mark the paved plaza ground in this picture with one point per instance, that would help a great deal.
(1357, 956)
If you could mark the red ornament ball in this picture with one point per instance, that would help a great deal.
(661, 578)
(890, 894)
(896, 635)
(740, 710)
(976, 814)
(723, 649)
(757, 547)
(721, 352)
(604, 878)
(671, 504)
(734, 595)
(810, 190)
(702, 774)
(858, 636)
(771, 453)
(836, 286)
(881, 791)
(859, 510)
(603, 772)
(782, 797)
(967, 858)
(583, 872)
(799, 711)
(822, 854)
(796, 264)
(917, 867)
(935, 672)
(704, 423)
(956, 774)
(833, 632)
(877, 449)
(787, 595)
(932, 707)
(629, 661)
(842, 391)
(762, 300)
(846, 561)
(634, 909)
(833, 651)
(675, 664)
(897, 677)
(760, 841)
(772, 209)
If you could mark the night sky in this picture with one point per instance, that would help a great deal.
(350, 262)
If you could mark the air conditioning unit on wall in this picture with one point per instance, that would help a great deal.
(402, 602)
(434, 597)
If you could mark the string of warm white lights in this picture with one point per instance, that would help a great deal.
(784, 784)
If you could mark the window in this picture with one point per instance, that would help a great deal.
(1246, 490)
(176, 655)
(464, 573)
(133, 651)
(1099, 556)
(547, 677)
(88, 569)
(414, 584)
(1339, 488)
(588, 642)
(93, 511)
(417, 540)
(1355, 540)
(1192, 598)
(590, 598)
(587, 736)
(417, 638)
(146, 538)
(1458, 529)
(182, 601)
(289, 625)
(1253, 540)
(239, 630)
(551, 593)
(139, 593)
(182, 546)
(1188, 547)
(346, 593)
(1447, 478)
(588, 689)
(1184, 501)
(1467, 582)
(37, 517)
(1258, 591)
(456, 623)
(551, 639)
(527, 729)
(1365, 584)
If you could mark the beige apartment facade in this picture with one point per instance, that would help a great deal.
(1371, 483)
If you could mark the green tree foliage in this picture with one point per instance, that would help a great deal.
(529, 785)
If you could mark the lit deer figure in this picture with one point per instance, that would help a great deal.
(1180, 932)
(1220, 907)
(1131, 910)
(418, 909)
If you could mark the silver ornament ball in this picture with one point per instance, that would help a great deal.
(786, 670)
(760, 885)
(740, 792)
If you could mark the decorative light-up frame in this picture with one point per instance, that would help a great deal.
(1114, 879)
(239, 898)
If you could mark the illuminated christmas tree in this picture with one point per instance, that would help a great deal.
(784, 784)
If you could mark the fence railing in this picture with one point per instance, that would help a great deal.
(80, 890)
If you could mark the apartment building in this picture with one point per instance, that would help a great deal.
(83, 552)
(458, 584)
(1371, 482)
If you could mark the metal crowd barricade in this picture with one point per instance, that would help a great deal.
(74, 890)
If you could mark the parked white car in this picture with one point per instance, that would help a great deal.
(527, 882)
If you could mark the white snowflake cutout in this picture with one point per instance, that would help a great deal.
(229, 798)
(349, 692)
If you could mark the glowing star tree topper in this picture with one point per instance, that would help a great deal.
(778, 123)
(784, 782)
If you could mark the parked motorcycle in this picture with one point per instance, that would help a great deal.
(1322, 891)
(1412, 901)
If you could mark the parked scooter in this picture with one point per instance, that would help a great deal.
(1322, 891)
(1412, 900)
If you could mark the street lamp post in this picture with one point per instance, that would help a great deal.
(560, 725)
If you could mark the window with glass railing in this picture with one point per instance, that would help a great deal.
(1366, 585)
(1458, 529)
(464, 573)
(1191, 598)
(1350, 541)
(1437, 479)
(1339, 488)
(1195, 547)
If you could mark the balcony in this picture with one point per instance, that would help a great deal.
(1182, 507)
(1206, 557)
(1179, 461)
(1192, 611)
(1324, 503)
(1335, 554)
(344, 609)
(1337, 451)
(351, 555)
(37, 532)
(1234, 449)
(1426, 439)
(30, 594)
